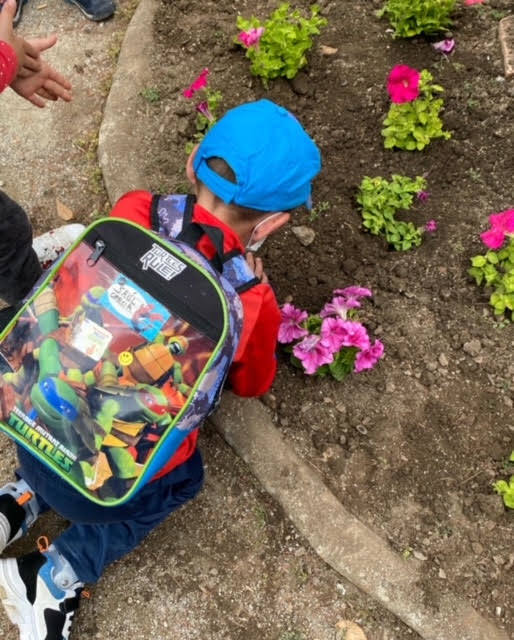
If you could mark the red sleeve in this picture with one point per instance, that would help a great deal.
(135, 206)
(8, 65)
(254, 366)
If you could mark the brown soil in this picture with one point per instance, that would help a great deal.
(413, 446)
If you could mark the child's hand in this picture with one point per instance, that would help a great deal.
(46, 84)
(257, 267)
(32, 62)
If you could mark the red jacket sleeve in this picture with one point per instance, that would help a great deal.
(135, 206)
(254, 366)
(8, 65)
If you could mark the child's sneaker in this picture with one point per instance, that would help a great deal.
(95, 9)
(52, 244)
(19, 509)
(40, 593)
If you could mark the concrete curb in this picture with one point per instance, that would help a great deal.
(118, 136)
(338, 537)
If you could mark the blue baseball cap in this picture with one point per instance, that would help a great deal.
(271, 155)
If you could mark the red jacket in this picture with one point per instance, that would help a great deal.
(8, 65)
(254, 365)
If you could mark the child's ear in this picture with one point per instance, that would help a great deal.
(190, 172)
(270, 225)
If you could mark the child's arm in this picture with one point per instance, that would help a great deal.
(19, 266)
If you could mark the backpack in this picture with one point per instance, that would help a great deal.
(122, 349)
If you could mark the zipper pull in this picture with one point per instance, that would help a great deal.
(95, 256)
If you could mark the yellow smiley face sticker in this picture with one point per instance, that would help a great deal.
(125, 358)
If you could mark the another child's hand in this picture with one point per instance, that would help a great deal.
(46, 84)
(257, 267)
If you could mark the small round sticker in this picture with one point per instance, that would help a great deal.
(125, 358)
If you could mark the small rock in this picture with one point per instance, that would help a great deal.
(477, 548)
(442, 574)
(431, 366)
(390, 387)
(327, 51)
(305, 407)
(419, 556)
(443, 360)
(490, 505)
(301, 84)
(270, 400)
(498, 612)
(341, 408)
(342, 439)
(304, 234)
(472, 348)
(427, 378)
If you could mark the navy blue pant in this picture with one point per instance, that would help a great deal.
(100, 535)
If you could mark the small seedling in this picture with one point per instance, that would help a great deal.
(150, 94)
(320, 208)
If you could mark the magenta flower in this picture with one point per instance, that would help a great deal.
(199, 83)
(203, 108)
(290, 328)
(431, 226)
(251, 37)
(503, 221)
(337, 333)
(312, 353)
(422, 196)
(338, 307)
(468, 3)
(353, 292)
(494, 238)
(403, 84)
(444, 46)
(368, 358)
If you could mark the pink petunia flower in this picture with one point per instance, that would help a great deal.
(199, 83)
(431, 226)
(312, 353)
(368, 358)
(203, 108)
(353, 292)
(468, 3)
(403, 84)
(251, 37)
(503, 220)
(333, 333)
(339, 307)
(444, 46)
(423, 196)
(290, 328)
(494, 238)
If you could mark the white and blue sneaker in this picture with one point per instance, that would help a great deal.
(40, 593)
(19, 510)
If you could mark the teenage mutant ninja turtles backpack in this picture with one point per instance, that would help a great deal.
(122, 350)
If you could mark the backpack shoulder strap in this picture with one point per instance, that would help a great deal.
(237, 271)
(169, 214)
(172, 218)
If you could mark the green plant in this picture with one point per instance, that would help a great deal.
(495, 270)
(506, 489)
(150, 94)
(412, 125)
(205, 116)
(278, 47)
(381, 200)
(320, 208)
(413, 17)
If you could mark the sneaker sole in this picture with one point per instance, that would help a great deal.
(91, 16)
(13, 595)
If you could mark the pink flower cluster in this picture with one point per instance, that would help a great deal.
(502, 225)
(251, 37)
(403, 84)
(199, 83)
(444, 46)
(336, 333)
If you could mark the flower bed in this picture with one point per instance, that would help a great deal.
(414, 445)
